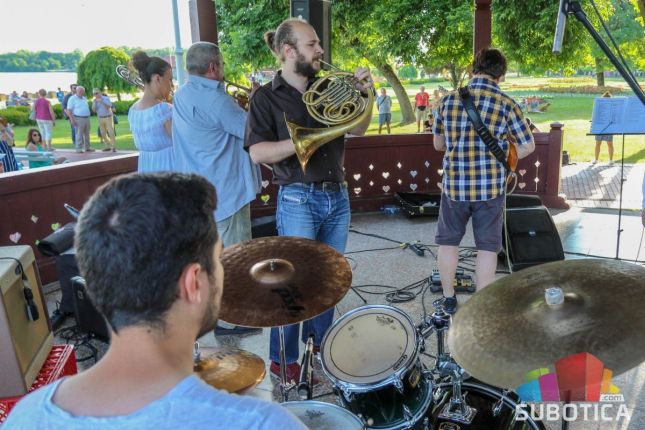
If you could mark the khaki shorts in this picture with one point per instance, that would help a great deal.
(421, 114)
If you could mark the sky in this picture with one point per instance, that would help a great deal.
(65, 25)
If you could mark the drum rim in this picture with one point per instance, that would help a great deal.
(346, 412)
(357, 387)
(425, 407)
(492, 390)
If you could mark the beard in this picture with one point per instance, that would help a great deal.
(304, 67)
(209, 320)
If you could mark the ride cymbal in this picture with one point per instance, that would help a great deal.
(508, 329)
(230, 369)
(281, 280)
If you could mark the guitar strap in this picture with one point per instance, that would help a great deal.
(481, 129)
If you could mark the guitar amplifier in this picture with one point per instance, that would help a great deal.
(25, 332)
(88, 318)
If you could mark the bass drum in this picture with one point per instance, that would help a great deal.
(491, 414)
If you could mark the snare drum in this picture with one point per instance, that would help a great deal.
(324, 416)
(371, 356)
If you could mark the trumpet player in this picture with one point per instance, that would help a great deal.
(313, 203)
(208, 133)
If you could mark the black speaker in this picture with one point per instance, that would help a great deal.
(67, 269)
(532, 237)
(263, 226)
(88, 318)
(522, 201)
(318, 14)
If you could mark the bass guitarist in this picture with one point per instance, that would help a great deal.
(474, 181)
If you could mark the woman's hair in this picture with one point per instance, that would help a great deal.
(29, 135)
(148, 66)
(607, 94)
(42, 92)
(283, 35)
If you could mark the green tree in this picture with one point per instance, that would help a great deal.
(408, 72)
(447, 44)
(241, 26)
(98, 70)
(524, 30)
(628, 32)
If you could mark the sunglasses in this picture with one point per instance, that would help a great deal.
(35, 134)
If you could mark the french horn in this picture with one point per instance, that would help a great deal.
(332, 100)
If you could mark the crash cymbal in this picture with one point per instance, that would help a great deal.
(281, 280)
(230, 369)
(508, 329)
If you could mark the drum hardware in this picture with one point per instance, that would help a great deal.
(305, 386)
(268, 284)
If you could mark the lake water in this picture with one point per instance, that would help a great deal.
(32, 82)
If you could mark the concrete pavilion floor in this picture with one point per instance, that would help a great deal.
(584, 231)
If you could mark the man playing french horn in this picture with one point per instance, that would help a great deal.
(312, 200)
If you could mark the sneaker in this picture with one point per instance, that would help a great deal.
(450, 305)
(594, 162)
(237, 330)
(90, 150)
(106, 149)
(113, 149)
(611, 163)
(293, 372)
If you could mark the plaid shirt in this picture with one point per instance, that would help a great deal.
(471, 172)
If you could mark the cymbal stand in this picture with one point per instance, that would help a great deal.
(285, 386)
(456, 409)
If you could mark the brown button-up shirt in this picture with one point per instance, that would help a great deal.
(266, 123)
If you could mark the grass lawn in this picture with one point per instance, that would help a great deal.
(572, 110)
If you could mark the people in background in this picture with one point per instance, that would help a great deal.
(45, 118)
(600, 138)
(421, 106)
(63, 104)
(102, 105)
(78, 112)
(384, 105)
(35, 143)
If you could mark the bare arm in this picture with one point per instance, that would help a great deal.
(51, 112)
(525, 150)
(271, 152)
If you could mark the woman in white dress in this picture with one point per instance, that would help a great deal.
(151, 117)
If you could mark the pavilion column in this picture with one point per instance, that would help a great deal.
(482, 35)
(203, 20)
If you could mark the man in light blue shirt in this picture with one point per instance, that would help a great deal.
(158, 294)
(384, 104)
(78, 112)
(208, 139)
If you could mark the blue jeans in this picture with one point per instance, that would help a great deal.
(306, 212)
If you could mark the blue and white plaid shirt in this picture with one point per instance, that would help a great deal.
(471, 172)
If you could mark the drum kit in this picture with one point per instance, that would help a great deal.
(372, 354)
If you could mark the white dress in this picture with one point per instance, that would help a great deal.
(150, 137)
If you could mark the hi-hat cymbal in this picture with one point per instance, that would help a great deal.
(230, 369)
(508, 329)
(281, 280)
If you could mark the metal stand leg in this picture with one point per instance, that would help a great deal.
(285, 385)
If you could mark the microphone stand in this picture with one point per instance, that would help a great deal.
(305, 386)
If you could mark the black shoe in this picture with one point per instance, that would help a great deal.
(237, 330)
(58, 318)
(450, 305)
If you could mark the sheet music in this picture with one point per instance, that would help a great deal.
(617, 115)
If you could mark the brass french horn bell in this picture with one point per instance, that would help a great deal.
(332, 100)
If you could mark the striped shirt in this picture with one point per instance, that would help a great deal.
(9, 159)
(471, 172)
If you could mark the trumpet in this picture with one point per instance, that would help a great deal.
(334, 101)
(241, 94)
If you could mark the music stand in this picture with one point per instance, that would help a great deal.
(623, 116)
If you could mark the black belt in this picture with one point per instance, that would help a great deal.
(324, 186)
(108, 116)
(78, 116)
